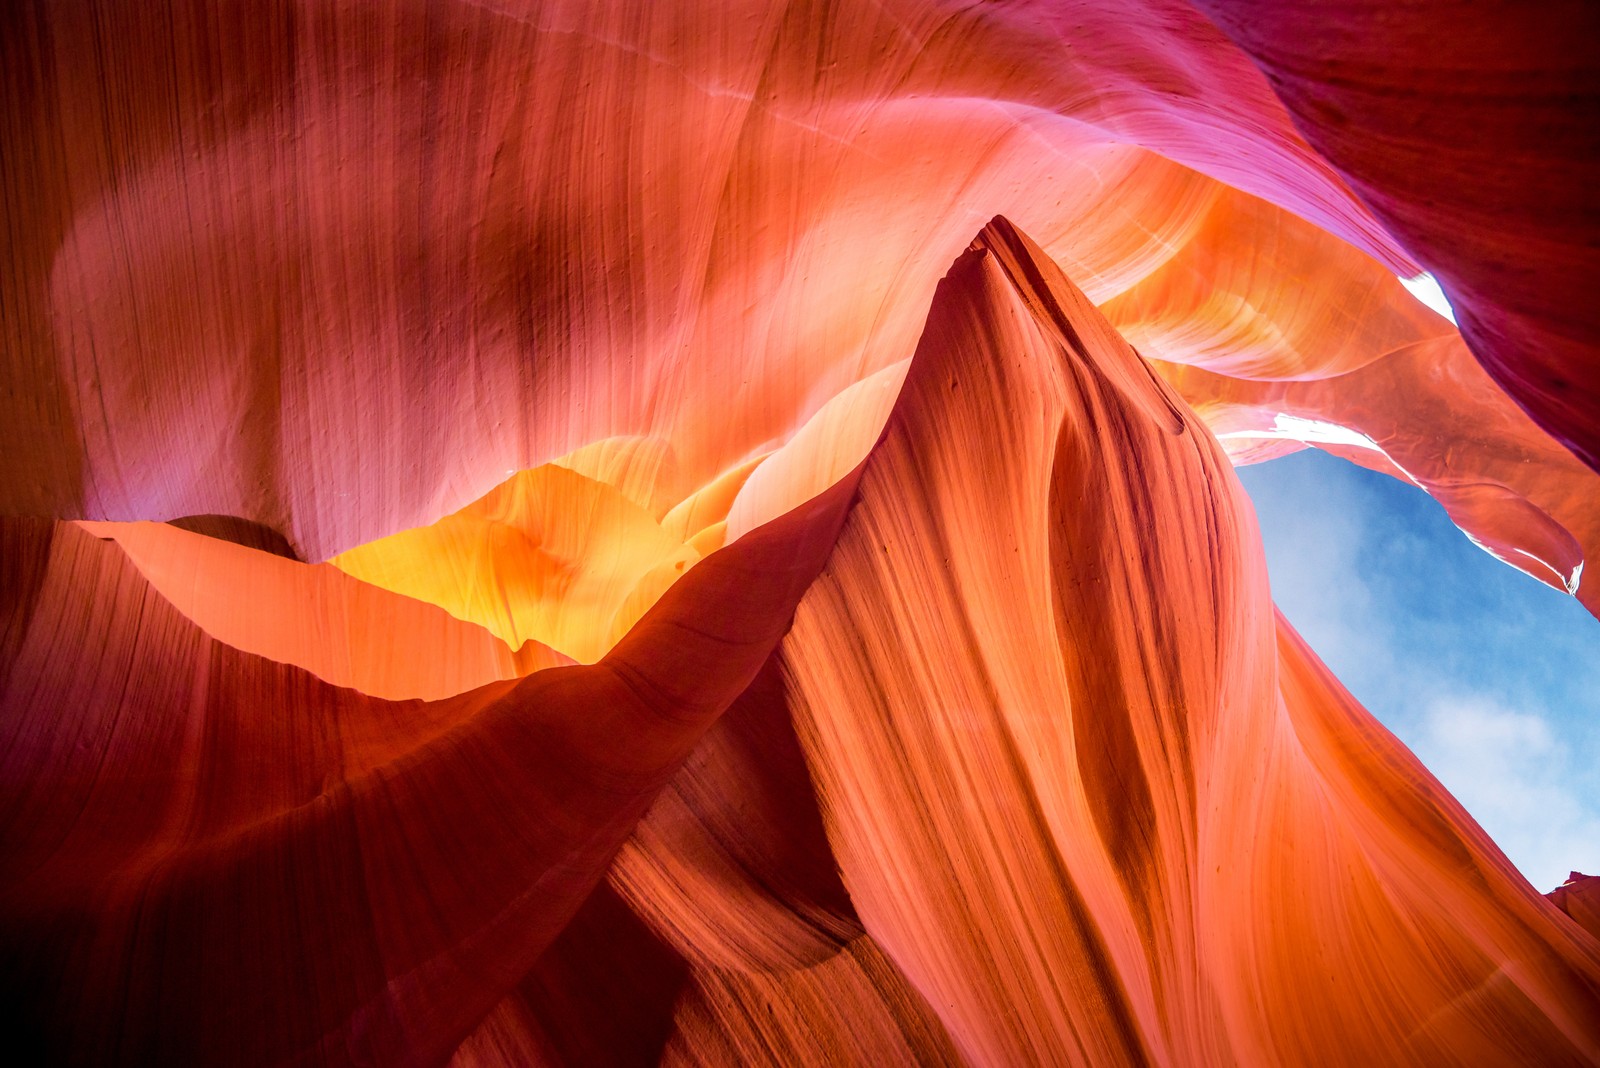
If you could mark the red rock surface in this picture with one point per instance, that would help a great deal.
(341, 269)
(1469, 130)
(218, 858)
(1097, 801)
(1579, 897)
(511, 374)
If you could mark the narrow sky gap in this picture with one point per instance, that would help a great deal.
(1426, 288)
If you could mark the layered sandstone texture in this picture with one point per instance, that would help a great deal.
(705, 533)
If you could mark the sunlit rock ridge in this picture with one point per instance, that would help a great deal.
(705, 533)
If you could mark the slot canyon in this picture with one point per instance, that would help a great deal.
(706, 532)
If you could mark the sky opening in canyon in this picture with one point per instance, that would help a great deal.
(1489, 676)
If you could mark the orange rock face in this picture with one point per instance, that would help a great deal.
(535, 534)
(1175, 838)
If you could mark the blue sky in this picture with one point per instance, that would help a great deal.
(1490, 677)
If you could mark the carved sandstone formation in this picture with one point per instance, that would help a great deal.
(218, 858)
(422, 424)
(1467, 129)
(1097, 801)
(1579, 897)
(1063, 788)
(341, 270)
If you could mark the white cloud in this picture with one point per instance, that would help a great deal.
(1317, 580)
(1511, 771)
